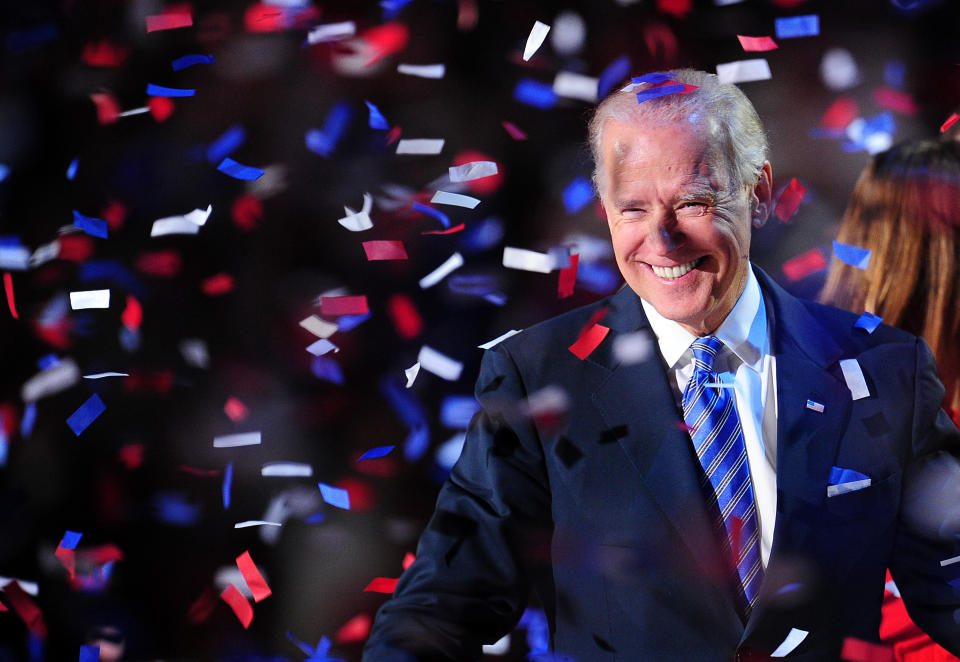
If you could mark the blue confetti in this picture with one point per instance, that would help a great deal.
(655, 92)
(407, 408)
(190, 60)
(324, 140)
(654, 79)
(326, 369)
(72, 168)
(868, 322)
(323, 647)
(348, 322)
(302, 645)
(36, 647)
(486, 234)
(840, 476)
(47, 361)
(789, 588)
(89, 653)
(86, 414)
(534, 621)
(160, 91)
(534, 93)
(374, 453)
(174, 509)
(227, 484)
(4, 171)
(130, 339)
(894, 73)
(456, 411)
(223, 146)
(377, 120)
(238, 171)
(70, 539)
(789, 27)
(316, 518)
(477, 285)
(598, 277)
(615, 72)
(24, 40)
(95, 227)
(115, 272)
(391, 8)
(28, 420)
(335, 496)
(417, 442)
(436, 213)
(852, 255)
(577, 194)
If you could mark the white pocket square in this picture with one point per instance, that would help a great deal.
(851, 486)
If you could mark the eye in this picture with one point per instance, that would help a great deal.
(692, 208)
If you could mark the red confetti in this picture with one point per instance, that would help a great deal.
(108, 110)
(895, 100)
(454, 229)
(104, 54)
(804, 264)
(217, 285)
(349, 305)
(162, 264)
(255, 581)
(169, 21)
(752, 44)
(589, 341)
(950, 122)
(356, 629)
(736, 531)
(840, 113)
(678, 8)
(239, 604)
(382, 585)
(132, 315)
(515, 132)
(131, 455)
(857, 650)
(393, 135)
(9, 418)
(247, 210)
(8, 288)
(362, 496)
(202, 607)
(101, 554)
(264, 18)
(789, 200)
(26, 608)
(68, 558)
(156, 382)
(467, 15)
(75, 248)
(385, 40)
(236, 410)
(194, 471)
(384, 250)
(406, 320)
(568, 278)
(658, 37)
(408, 560)
(161, 107)
(3, 607)
(115, 213)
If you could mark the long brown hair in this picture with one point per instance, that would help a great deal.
(906, 210)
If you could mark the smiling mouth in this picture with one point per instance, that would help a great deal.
(671, 273)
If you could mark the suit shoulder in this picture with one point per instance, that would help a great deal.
(841, 325)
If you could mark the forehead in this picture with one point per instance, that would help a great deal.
(673, 149)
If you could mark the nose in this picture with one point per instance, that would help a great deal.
(665, 236)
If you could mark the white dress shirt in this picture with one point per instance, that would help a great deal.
(746, 362)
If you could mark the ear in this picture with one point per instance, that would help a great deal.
(762, 197)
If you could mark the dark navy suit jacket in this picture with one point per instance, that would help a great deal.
(600, 509)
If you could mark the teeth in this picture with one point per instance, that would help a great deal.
(674, 272)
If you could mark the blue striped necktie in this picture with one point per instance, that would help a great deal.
(711, 415)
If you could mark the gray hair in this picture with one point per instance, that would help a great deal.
(722, 109)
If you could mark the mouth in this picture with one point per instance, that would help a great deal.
(672, 273)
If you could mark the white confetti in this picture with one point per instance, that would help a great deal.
(575, 86)
(286, 469)
(631, 348)
(321, 347)
(411, 374)
(521, 258)
(318, 327)
(794, 638)
(535, 39)
(744, 71)
(189, 223)
(56, 378)
(255, 522)
(950, 561)
(194, 351)
(101, 375)
(455, 199)
(853, 375)
(239, 439)
(439, 364)
(14, 258)
(331, 32)
(422, 70)
(499, 339)
(84, 299)
(358, 221)
(452, 263)
(472, 170)
(420, 146)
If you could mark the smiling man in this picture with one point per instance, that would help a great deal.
(737, 495)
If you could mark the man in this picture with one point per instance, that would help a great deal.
(739, 493)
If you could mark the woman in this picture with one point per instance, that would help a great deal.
(906, 210)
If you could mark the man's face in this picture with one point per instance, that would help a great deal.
(680, 229)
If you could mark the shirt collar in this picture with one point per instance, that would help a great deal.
(743, 331)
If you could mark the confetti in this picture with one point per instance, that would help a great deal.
(455, 199)
(436, 213)
(226, 144)
(357, 629)
(51, 380)
(25, 608)
(321, 347)
(895, 100)
(840, 113)
(659, 91)
(239, 604)
(72, 169)
(377, 120)
(191, 60)
(406, 320)
(473, 170)
(451, 264)
(255, 581)
(589, 340)
(857, 650)
(577, 194)
(384, 250)
(568, 278)
(752, 44)
(70, 540)
(84, 299)
(95, 227)
(411, 374)
(344, 305)
(789, 200)
(439, 364)
(868, 322)
(374, 453)
(954, 117)
(790, 27)
(227, 485)
(852, 255)
(102, 375)
(331, 32)
(420, 146)
(794, 638)
(382, 585)
(238, 171)
(515, 132)
(422, 70)
(88, 412)
(255, 522)
(235, 410)
(632, 348)
(238, 439)
(534, 93)
(954, 559)
(615, 72)
(8, 289)
(170, 21)
(535, 39)
(853, 375)
(318, 327)
(499, 339)
(358, 221)
(160, 91)
(527, 260)
(324, 140)
(575, 86)
(104, 54)
(89, 653)
(217, 284)
(108, 110)
(744, 71)
(801, 266)
(457, 410)
(335, 496)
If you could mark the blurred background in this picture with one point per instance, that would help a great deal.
(118, 509)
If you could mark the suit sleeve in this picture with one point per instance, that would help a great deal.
(929, 530)
(470, 582)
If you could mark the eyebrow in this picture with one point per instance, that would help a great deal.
(698, 192)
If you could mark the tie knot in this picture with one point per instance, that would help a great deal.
(705, 352)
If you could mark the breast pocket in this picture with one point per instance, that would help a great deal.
(878, 501)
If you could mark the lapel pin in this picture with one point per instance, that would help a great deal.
(815, 406)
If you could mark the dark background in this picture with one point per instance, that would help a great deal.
(144, 476)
